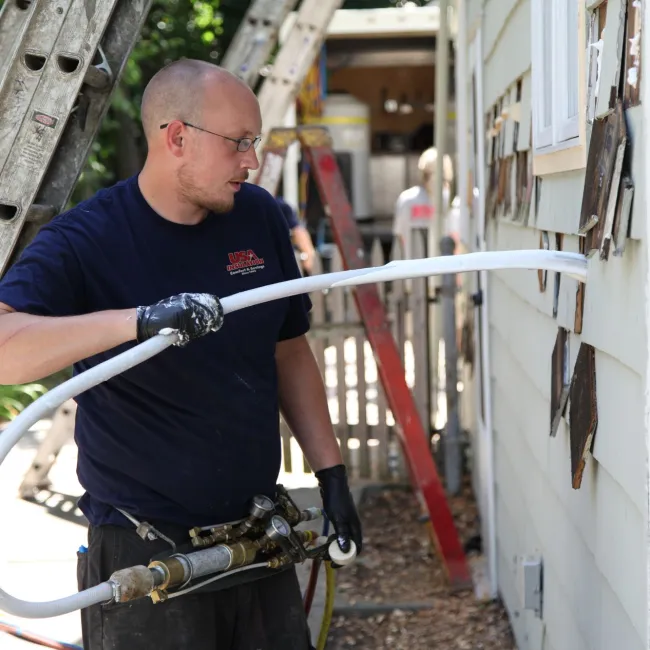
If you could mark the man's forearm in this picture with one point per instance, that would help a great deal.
(304, 403)
(33, 347)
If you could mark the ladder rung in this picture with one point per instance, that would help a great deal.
(99, 75)
(297, 55)
(40, 213)
(13, 24)
(24, 71)
(256, 37)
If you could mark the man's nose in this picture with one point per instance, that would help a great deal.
(250, 160)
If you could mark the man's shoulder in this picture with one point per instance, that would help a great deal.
(250, 192)
(96, 212)
(411, 194)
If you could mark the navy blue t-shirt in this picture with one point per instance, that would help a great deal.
(189, 436)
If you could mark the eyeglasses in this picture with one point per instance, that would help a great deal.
(243, 144)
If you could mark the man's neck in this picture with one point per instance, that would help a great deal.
(164, 198)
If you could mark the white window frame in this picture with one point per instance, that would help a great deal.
(561, 146)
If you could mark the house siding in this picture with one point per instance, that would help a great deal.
(592, 541)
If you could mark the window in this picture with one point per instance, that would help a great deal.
(555, 64)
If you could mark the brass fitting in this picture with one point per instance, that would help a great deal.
(279, 560)
(173, 571)
(226, 533)
(158, 596)
(306, 536)
(243, 553)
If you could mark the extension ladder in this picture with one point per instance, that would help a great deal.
(295, 58)
(316, 144)
(59, 65)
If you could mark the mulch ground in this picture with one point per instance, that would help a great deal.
(399, 566)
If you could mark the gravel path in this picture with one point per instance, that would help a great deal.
(399, 566)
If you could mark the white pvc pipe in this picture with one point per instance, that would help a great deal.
(573, 264)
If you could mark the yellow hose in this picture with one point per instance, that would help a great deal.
(330, 578)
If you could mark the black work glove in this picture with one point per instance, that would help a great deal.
(339, 506)
(191, 314)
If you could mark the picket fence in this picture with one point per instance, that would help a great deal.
(363, 422)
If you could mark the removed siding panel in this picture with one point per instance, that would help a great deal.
(560, 202)
(510, 58)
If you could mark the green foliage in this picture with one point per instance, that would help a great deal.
(13, 399)
(174, 29)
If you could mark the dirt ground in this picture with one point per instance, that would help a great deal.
(399, 566)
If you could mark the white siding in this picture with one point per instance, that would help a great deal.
(592, 540)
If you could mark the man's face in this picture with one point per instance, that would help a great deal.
(212, 171)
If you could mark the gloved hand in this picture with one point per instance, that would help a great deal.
(339, 506)
(191, 314)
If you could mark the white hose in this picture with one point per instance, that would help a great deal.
(102, 593)
(572, 264)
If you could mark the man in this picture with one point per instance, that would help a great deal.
(189, 437)
(414, 209)
(299, 236)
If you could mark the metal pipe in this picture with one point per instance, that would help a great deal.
(440, 131)
(451, 440)
(436, 231)
(462, 127)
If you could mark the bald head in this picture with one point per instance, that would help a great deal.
(178, 92)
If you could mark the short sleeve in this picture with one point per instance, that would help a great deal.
(296, 322)
(46, 280)
(289, 213)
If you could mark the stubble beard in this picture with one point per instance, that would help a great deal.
(199, 197)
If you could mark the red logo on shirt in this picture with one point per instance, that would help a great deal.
(244, 262)
(421, 212)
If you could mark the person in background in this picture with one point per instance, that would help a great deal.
(299, 236)
(414, 208)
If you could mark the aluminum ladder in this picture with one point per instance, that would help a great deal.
(59, 65)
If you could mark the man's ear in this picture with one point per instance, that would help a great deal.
(175, 138)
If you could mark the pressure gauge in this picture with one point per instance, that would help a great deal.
(261, 506)
(278, 528)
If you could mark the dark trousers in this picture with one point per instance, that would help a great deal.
(266, 614)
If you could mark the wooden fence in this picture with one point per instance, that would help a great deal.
(364, 424)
